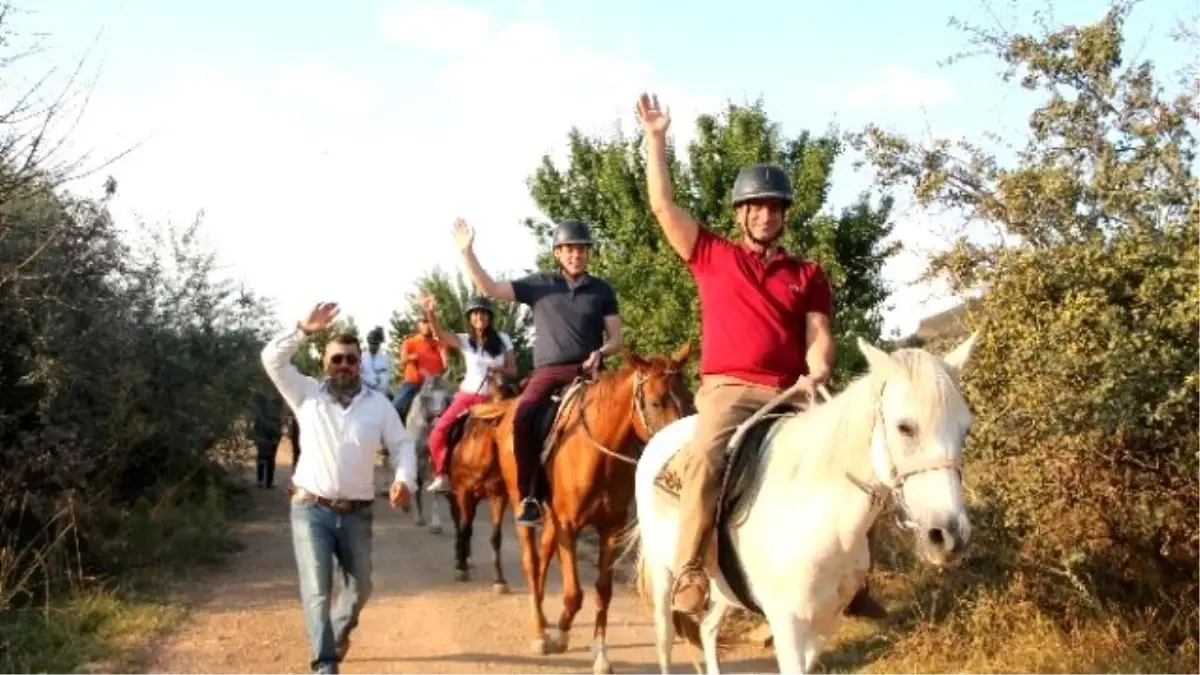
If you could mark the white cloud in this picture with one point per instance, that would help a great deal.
(317, 183)
(894, 87)
(435, 26)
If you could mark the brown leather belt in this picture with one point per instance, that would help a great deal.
(340, 505)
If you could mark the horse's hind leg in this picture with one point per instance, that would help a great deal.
(499, 505)
(710, 631)
(604, 591)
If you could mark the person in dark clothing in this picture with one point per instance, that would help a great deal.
(573, 314)
(266, 428)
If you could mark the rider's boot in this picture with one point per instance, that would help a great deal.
(531, 513)
(441, 483)
(690, 593)
(863, 604)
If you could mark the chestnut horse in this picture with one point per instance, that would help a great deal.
(599, 430)
(474, 471)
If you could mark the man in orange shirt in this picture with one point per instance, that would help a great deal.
(422, 354)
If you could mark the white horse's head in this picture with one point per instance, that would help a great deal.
(433, 398)
(917, 445)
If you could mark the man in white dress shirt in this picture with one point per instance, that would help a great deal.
(345, 424)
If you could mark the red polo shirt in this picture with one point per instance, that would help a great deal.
(752, 310)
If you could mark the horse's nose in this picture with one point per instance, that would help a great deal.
(945, 539)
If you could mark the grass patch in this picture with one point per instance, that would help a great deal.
(985, 617)
(107, 623)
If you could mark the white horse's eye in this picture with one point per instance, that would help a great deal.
(906, 428)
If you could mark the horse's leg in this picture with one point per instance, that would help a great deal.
(572, 592)
(529, 565)
(604, 591)
(419, 512)
(710, 630)
(464, 528)
(435, 517)
(499, 505)
(790, 635)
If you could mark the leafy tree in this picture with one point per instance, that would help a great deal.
(604, 183)
(452, 295)
(1085, 382)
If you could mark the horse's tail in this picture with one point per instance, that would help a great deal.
(686, 626)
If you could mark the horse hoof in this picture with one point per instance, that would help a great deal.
(461, 575)
(435, 529)
(419, 521)
(500, 588)
(602, 666)
(538, 646)
(556, 641)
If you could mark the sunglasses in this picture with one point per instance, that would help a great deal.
(348, 359)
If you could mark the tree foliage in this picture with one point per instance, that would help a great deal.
(127, 368)
(1086, 379)
(604, 183)
(452, 295)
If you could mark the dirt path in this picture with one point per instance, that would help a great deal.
(246, 618)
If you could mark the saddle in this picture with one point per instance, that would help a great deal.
(739, 484)
(552, 413)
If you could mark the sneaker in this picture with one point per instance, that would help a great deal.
(690, 595)
(531, 513)
(441, 483)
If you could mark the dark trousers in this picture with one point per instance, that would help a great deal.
(527, 442)
(266, 465)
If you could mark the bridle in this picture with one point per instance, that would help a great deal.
(888, 491)
(639, 409)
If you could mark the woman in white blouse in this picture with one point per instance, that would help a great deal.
(485, 351)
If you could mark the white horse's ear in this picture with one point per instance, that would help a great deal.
(878, 360)
(958, 358)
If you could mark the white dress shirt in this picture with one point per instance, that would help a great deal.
(338, 461)
(377, 370)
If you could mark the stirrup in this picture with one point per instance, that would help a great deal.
(692, 574)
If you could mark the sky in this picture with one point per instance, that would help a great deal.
(370, 126)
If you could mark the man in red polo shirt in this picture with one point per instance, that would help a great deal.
(764, 322)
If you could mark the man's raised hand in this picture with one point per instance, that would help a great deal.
(320, 318)
(654, 118)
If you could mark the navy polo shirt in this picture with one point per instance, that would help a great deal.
(568, 319)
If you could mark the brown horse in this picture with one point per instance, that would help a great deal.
(475, 475)
(596, 436)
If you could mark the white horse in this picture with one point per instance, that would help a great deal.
(894, 435)
(429, 402)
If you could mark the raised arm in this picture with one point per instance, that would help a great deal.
(484, 283)
(428, 307)
(679, 227)
(294, 386)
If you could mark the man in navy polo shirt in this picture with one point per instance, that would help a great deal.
(573, 313)
(765, 324)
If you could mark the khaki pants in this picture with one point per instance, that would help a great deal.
(722, 403)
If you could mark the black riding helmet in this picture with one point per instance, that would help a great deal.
(762, 181)
(480, 303)
(572, 231)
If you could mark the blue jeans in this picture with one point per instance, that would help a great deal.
(320, 535)
(403, 398)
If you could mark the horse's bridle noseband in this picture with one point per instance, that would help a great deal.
(889, 492)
